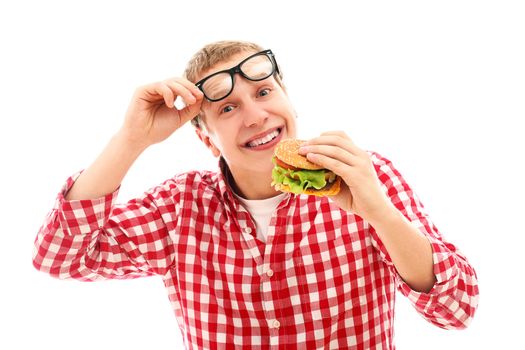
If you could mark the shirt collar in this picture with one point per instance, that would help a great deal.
(225, 180)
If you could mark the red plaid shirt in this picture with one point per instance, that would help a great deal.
(323, 280)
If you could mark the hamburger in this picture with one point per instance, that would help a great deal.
(294, 173)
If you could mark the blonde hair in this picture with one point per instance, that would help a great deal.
(214, 53)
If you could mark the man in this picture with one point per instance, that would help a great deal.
(246, 266)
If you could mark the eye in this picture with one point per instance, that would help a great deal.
(264, 92)
(227, 109)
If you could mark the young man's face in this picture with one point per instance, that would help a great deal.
(245, 126)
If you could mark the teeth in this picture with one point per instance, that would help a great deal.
(264, 140)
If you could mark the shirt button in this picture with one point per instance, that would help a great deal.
(276, 324)
(247, 230)
(269, 273)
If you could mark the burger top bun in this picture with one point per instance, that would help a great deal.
(288, 152)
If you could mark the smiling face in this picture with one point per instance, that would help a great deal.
(245, 127)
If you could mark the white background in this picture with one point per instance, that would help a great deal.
(436, 87)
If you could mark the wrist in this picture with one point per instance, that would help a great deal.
(130, 143)
(385, 216)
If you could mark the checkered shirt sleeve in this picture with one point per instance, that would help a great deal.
(98, 239)
(452, 301)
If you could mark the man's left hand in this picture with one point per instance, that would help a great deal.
(361, 191)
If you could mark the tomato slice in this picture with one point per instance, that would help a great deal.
(284, 165)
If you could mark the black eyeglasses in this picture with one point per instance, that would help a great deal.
(257, 67)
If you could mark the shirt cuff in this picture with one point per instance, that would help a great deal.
(85, 215)
(446, 271)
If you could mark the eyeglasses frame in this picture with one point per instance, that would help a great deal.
(237, 69)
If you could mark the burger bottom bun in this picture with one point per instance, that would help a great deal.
(329, 190)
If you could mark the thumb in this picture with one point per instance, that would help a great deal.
(189, 112)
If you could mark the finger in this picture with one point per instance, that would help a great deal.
(196, 92)
(333, 164)
(338, 139)
(190, 111)
(335, 133)
(182, 91)
(156, 92)
(330, 138)
(334, 152)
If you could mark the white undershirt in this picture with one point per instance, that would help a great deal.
(261, 211)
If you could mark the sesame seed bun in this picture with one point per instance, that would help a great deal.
(287, 151)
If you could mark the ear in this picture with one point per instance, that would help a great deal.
(208, 142)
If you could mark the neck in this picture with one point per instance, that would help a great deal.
(252, 186)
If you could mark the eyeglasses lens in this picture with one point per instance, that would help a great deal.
(257, 68)
(220, 85)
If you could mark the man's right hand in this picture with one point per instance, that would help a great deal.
(152, 117)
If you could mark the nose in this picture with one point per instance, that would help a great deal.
(254, 111)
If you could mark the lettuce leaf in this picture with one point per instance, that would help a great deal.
(299, 180)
